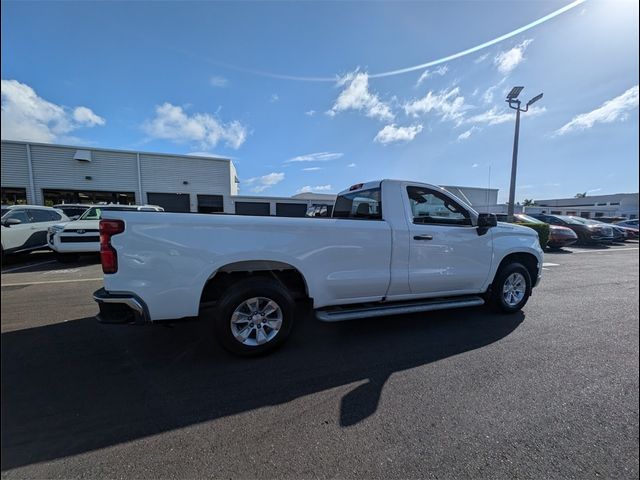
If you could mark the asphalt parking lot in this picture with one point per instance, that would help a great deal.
(551, 392)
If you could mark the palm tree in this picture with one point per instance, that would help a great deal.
(581, 195)
(528, 202)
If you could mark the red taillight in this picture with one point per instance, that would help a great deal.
(108, 255)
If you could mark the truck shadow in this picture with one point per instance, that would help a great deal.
(78, 386)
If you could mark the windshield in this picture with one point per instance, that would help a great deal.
(95, 213)
(522, 218)
(572, 220)
(4, 211)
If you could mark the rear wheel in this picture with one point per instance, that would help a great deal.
(254, 316)
(511, 288)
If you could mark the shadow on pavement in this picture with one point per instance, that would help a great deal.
(43, 261)
(77, 386)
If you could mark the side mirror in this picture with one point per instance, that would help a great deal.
(11, 221)
(487, 220)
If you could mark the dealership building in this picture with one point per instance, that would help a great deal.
(47, 174)
(594, 207)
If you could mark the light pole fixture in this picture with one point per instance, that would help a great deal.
(512, 100)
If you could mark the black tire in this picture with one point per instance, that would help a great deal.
(67, 257)
(238, 293)
(497, 298)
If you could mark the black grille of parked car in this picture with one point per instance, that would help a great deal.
(79, 239)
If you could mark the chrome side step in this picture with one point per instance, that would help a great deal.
(339, 314)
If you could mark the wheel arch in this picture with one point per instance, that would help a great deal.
(527, 259)
(228, 274)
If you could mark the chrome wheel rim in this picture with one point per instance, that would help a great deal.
(256, 321)
(515, 286)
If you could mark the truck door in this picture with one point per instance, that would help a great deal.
(446, 254)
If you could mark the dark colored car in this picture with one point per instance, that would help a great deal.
(588, 234)
(628, 223)
(619, 233)
(558, 236)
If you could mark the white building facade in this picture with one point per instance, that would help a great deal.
(46, 174)
(623, 205)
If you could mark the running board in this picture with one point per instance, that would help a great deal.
(339, 314)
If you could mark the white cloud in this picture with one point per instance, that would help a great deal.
(274, 98)
(317, 188)
(481, 58)
(508, 60)
(448, 104)
(218, 81)
(475, 165)
(264, 182)
(496, 116)
(352, 165)
(466, 134)
(391, 133)
(487, 96)
(310, 113)
(85, 116)
(316, 157)
(26, 116)
(441, 70)
(171, 122)
(356, 96)
(311, 169)
(609, 111)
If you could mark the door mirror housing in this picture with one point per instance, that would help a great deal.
(487, 220)
(11, 221)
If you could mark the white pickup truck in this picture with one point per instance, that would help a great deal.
(391, 247)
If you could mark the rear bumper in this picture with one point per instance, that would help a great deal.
(122, 307)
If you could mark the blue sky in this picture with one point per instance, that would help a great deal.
(187, 77)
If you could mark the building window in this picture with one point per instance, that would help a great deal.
(555, 212)
(599, 214)
(587, 214)
(14, 196)
(56, 197)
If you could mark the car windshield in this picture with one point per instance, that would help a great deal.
(95, 213)
(522, 218)
(572, 220)
(4, 212)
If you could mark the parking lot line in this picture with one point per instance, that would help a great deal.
(606, 251)
(23, 284)
(28, 266)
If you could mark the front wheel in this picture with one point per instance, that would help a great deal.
(511, 288)
(254, 316)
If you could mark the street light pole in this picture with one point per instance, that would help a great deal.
(514, 168)
(514, 103)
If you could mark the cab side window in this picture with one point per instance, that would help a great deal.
(433, 207)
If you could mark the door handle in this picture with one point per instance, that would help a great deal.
(423, 237)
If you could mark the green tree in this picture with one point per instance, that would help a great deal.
(581, 195)
(528, 202)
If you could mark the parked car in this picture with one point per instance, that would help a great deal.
(421, 249)
(82, 236)
(558, 236)
(588, 234)
(24, 227)
(619, 234)
(628, 223)
(73, 210)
